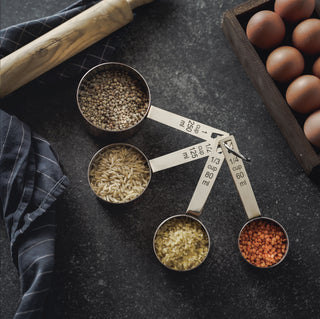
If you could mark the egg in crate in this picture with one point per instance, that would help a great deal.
(294, 10)
(285, 63)
(306, 36)
(312, 128)
(303, 94)
(265, 29)
(316, 68)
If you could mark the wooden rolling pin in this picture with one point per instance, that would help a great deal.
(63, 42)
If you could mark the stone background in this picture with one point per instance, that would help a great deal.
(105, 265)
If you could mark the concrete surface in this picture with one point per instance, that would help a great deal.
(105, 266)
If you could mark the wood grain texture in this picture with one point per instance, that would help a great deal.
(61, 43)
(137, 3)
(234, 29)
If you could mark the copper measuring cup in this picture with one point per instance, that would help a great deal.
(249, 202)
(178, 122)
(182, 242)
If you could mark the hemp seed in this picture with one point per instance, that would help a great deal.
(112, 99)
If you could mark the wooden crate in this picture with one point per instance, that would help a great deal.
(273, 95)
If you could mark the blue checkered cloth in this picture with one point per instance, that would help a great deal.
(31, 178)
(31, 181)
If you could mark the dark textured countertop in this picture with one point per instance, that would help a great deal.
(105, 265)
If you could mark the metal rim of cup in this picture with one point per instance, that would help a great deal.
(282, 229)
(111, 146)
(181, 216)
(110, 65)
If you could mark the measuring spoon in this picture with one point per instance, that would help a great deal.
(263, 242)
(182, 242)
(170, 119)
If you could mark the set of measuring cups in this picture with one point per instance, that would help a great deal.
(181, 242)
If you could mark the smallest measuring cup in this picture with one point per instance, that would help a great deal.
(182, 242)
(263, 242)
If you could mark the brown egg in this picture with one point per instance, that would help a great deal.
(316, 68)
(306, 36)
(294, 10)
(312, 128)
(265, 29)
(285, 63)
(303, 94)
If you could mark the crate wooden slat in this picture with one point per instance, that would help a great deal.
(233, 25)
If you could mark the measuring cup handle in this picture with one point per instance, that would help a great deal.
(206, 181)
(240, 178)
(181, 156)
(184, 124)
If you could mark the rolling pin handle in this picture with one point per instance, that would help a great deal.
(63, 42)
(137, 3)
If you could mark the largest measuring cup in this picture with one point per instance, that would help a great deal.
(181, 123)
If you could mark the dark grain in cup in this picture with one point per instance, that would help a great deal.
(113, 100)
